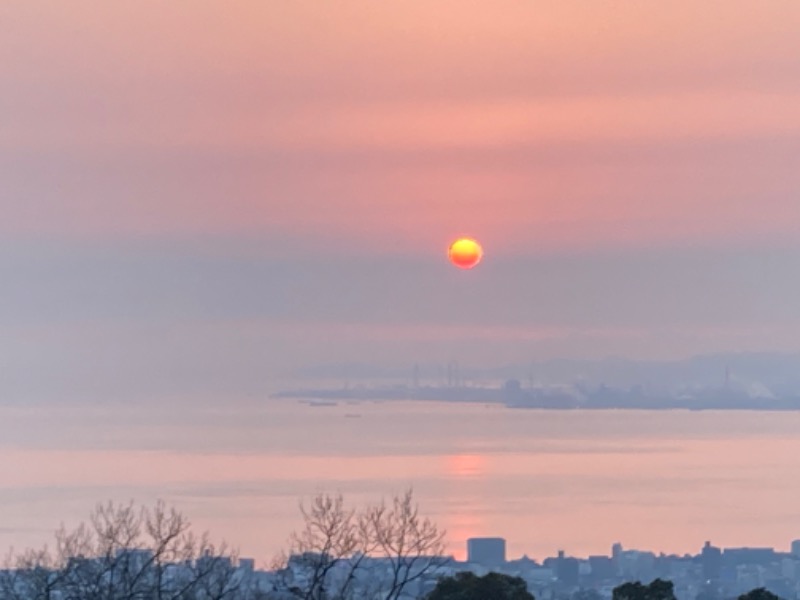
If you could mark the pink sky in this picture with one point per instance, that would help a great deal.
(200, 198)
(390, 127)
(283, 178)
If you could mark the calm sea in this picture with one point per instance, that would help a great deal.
(544, 480)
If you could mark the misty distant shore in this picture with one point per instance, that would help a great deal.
(743, 381)
(513, 395)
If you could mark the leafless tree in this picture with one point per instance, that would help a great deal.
(414, 546)
(31, 575)
(331, 539)
(125, 553)
(375, 552)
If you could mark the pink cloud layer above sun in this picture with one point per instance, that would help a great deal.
(538, 128)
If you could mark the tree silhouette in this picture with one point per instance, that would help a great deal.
(586, 594)
(759, 594)
(468, 586)
(658, 589)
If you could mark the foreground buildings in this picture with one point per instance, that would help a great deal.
(712, 574)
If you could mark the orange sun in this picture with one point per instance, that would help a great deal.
(465, 253)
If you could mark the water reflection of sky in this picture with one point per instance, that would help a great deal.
(544, 480)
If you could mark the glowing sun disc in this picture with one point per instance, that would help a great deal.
(465, 253)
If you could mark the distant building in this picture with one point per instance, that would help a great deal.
(616, 551)
(567, 569)
(522, 564)
(602, 567)
(134, 559)
(711, 558)
(796, 548)
(247, 564)
(616, 557)
(748, 556)
(489, 552)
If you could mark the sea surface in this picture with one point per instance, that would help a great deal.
(545, 480)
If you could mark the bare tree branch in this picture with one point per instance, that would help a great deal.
(125, 553)
(340, 552)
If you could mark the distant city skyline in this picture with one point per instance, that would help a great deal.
(495, 546)
(712, 572)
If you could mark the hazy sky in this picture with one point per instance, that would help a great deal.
(196, 196)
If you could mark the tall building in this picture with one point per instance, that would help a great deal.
(616, 556)
(489, 552)
(602, 567)
(711, 558)
(567, 569)
(616, 550)
(796, 548)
